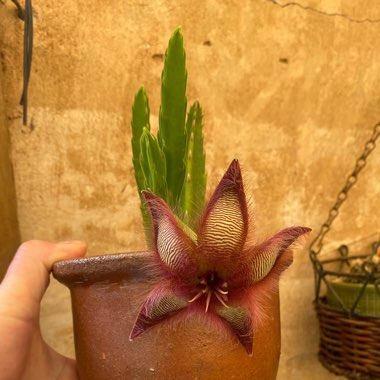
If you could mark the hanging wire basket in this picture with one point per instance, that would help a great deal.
(347, 294)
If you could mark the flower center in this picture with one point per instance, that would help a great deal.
(210, 284)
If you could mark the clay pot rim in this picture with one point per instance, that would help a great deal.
(109, 267)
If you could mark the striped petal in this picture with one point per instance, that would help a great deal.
(158, 306)
(271, 257)
(173, 246)
(224, 226)
(240, 323)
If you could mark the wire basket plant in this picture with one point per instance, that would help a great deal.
(347, 293)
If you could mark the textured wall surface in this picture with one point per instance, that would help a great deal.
(291, 89)
(9, 233)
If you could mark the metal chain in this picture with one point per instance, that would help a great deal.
(317, 244)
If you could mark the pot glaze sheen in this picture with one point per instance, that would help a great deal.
(107, 293)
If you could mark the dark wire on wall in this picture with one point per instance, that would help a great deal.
(28, 50)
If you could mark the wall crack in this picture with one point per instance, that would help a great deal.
(318, 11)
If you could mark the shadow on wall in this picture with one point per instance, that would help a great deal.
(9, 232)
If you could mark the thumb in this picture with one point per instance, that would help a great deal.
(28, 274)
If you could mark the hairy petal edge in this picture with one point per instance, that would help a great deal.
(224, 225)
(240, 323)
(173, 246)
(159, 305)
(271, 257)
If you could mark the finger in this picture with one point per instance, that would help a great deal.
(28, 275)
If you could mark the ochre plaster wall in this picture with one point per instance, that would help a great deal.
(9, 234)
(292, 90)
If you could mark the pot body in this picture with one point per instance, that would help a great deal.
(107, 293)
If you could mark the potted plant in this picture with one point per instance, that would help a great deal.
(204, 297)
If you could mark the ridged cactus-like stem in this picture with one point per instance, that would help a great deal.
(194, 188)
(173, 164)
(172, 135)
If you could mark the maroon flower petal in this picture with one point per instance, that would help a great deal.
(159, 305)
(173, 246)
(271, 257)
(240, 323)
(224, 226)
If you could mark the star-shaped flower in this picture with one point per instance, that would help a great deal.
(217, 272)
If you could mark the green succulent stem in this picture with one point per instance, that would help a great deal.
(171, 134)
(153, 164)
(194, 188)
(172, 165)
(140, 120)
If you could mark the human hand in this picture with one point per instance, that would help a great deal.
(24, 353)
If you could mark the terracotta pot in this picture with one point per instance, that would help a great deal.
(107, 292)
